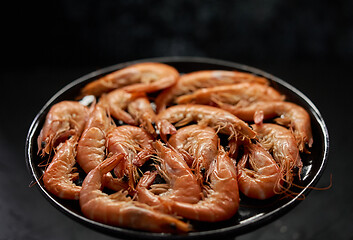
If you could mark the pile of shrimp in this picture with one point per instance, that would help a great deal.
(158, 150)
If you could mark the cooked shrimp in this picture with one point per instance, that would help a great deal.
(64, 119)
(58, 177)
(141, 110)
(119, 210)
(259, 176)
(289, 114)
(183, 185)
(234, 94)
(281, 143)
(219, 119)
(141, 77)
(198, 143)
(190, 82)
(117, 102)
(91, 148)
(135, 144)
(222, 199)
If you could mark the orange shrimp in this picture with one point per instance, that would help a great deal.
(141, 110)
(117, 102)
(221, 120)
(64, 119)
(234, 94)
(281, 143)
(190, 82)
(222, 196)
(135, 144)
(183, 185)
(289, 114)
(198, 144)
(58, 177)
(119, 210)
(91, 149)
(142, 77)
(259, 176)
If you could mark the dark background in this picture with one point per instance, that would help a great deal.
(47, 45)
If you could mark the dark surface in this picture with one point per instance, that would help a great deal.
(307, 44)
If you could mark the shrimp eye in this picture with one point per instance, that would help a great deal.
(42, 144)
(125, 178)
(203, 170)
(70, 136)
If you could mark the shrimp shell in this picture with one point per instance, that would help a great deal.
(119, 210)
(58, 177)
(64, 119)
(219, 119)
(190, 82)
(141, 77)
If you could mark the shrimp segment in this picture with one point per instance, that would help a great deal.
(219, 119)
(58, 177)
(64, 119)
(190, 82)
(135, 144)
(282, 144)
(141, 77)
(289, 114)
(118, 209)
(198, 143)
(259, 176)
(234, 94)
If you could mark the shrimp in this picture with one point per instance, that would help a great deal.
(289, 114)
(221, 120)
(198, 143)
(182, 185)
(64, 119)
(91, 149)
(117, 102)
(135, 144)
(119, 210)
(241, 93)
(259, 177)
(222, 195)
(58, 177)
(190, 82)
(142, 77)
(281, 143)
(142, 110)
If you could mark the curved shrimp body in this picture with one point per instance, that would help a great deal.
(222, 199)
(183, 185)
(259, 176)
(281, 143)
(198, 144)
(118, 209)
(117, 102)
(64, 119)
(141, 77)
(135, 144)
(91, 146)
(219, 119)
(58, 177)
(289, 114)
(190, 82)
(242, 94)
(142, 110)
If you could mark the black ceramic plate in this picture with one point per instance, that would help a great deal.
(252, 214)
